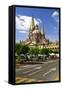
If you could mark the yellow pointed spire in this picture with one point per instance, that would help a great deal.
(43, 32)
(32, 25)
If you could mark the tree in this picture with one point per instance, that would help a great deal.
(24, 49)
(34, 51)
(20, 48)
(17, 48)
(44, 51)
(50, 51)
(56, 51)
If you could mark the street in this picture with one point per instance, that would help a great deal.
(48, 71)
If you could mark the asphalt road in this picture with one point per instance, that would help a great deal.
(48, 71)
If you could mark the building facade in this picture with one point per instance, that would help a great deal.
(35, 35)
(37, 38)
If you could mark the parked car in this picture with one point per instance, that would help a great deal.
(42, 57)
(22, 58)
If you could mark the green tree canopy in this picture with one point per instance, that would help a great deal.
(17, 48)
(56, 51)
(21, 48)
(34, 50)
(50, 51)
(44, 51)
(24, 49)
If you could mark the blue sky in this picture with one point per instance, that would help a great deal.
(47, 17)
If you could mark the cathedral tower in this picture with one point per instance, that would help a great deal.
(43, 32)
(32, 26)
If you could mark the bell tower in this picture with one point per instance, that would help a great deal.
(32, 27)
(43, 32)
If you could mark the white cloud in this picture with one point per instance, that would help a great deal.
(23, 23)
(23, 31)
(55, 15)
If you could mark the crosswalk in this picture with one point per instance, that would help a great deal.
(24, 80)
(37, 73)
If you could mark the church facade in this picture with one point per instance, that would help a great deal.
(37, 38)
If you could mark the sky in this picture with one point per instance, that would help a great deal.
(49, 18)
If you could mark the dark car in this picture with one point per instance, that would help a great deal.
(22, 58)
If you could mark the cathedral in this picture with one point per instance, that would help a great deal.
(36, 36)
